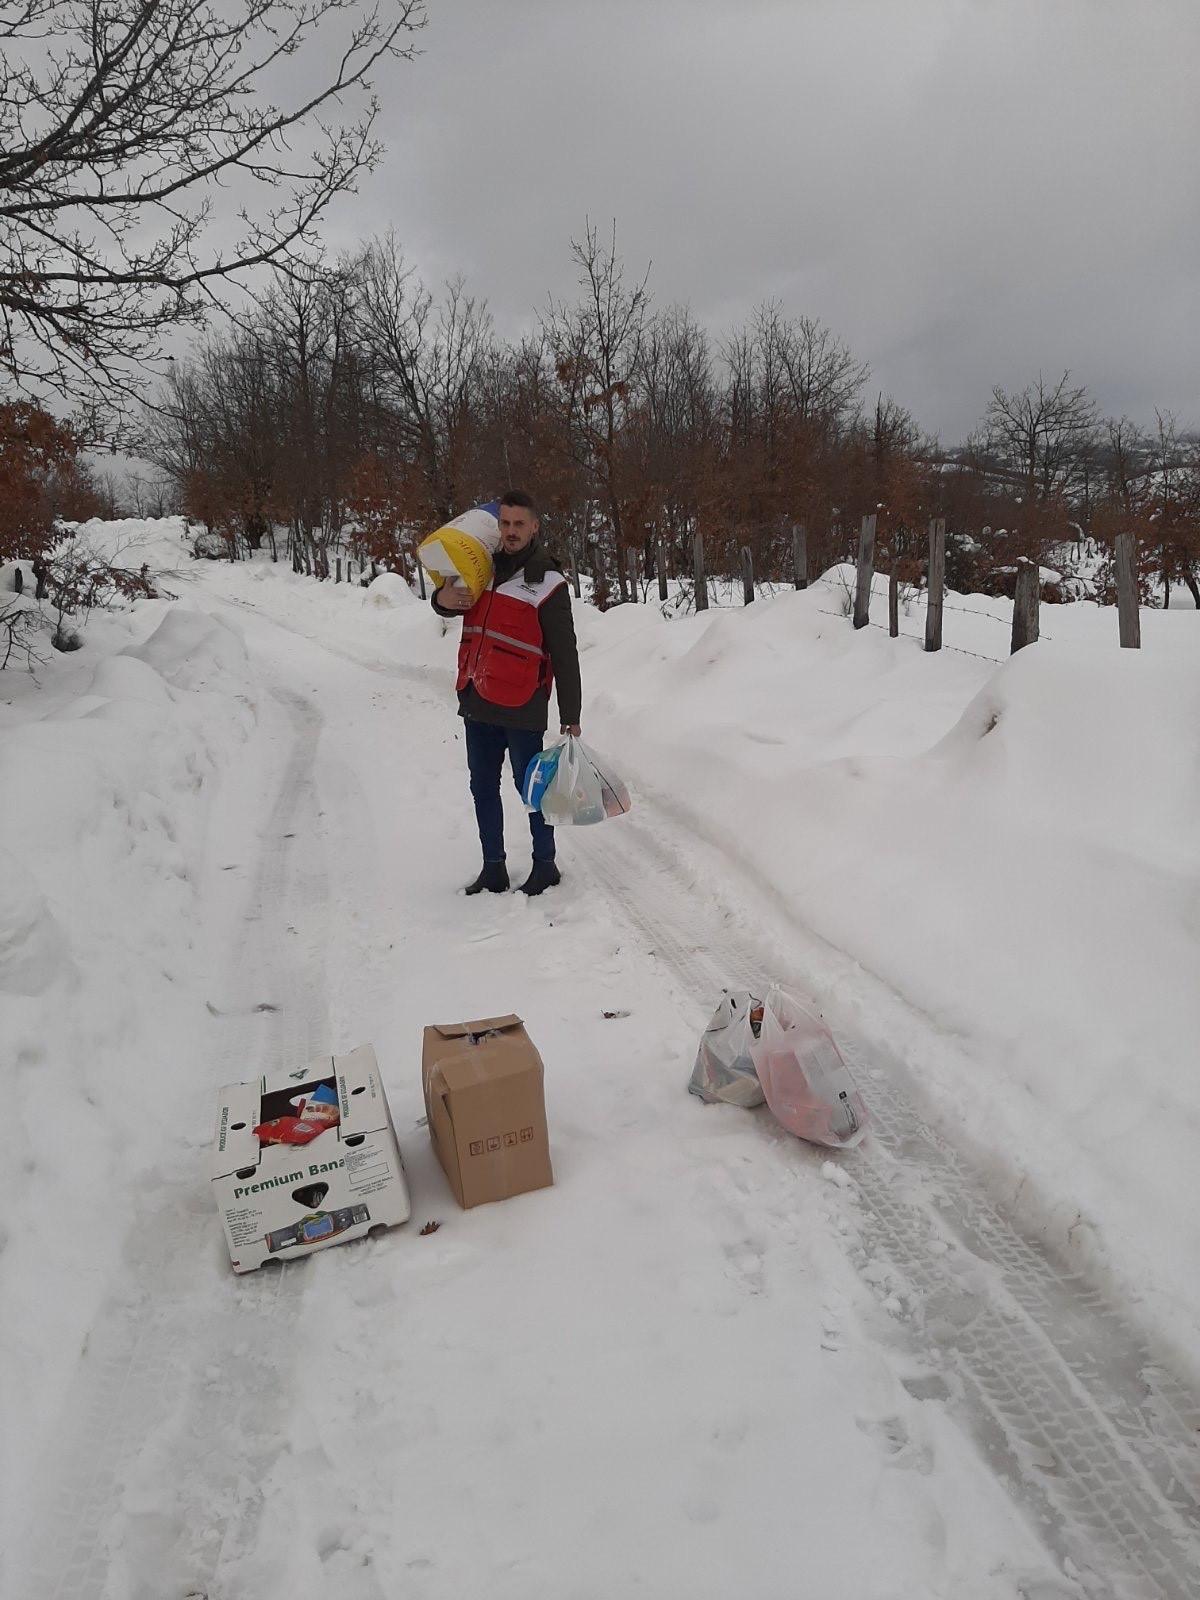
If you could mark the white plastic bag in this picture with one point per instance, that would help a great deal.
(806, 1083)
(724, 1069)
(583, 788)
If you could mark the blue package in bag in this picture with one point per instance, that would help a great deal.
(539, 775)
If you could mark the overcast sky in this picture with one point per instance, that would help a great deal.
(965, 190)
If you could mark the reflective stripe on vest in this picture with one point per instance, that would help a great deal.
(507, 638)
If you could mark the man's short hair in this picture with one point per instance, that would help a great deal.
(518, 497)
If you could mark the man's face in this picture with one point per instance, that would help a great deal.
(517, 527)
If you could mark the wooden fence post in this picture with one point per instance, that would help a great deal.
(701, 599)
(1128, 615)
(800, 554)
(661, 563)
(631, 563)
(337, 565)
(420, 577)
(936, 583)
(894, 595)
(866, 571)
(747, 576)
(1025, 604)
(573, 562)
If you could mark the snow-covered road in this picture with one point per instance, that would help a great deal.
(709, 1361)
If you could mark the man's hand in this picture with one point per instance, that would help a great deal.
(571, 727)
(454, 597)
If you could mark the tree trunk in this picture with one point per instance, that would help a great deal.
(747, 576)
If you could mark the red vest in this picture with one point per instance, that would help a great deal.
(502, 650)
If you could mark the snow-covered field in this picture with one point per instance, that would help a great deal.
(710, 1360)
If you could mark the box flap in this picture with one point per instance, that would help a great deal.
(459, 1030)
(311, 1072)
(361, 1100)
(469, 1070)
(234, 1143)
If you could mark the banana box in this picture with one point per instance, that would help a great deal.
(279, 1201)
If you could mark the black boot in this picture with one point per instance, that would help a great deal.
(493, 878)
(544, 876)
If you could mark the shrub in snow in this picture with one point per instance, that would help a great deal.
(20, 619)
(210, 547)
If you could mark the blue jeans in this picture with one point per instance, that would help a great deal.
(487, 745)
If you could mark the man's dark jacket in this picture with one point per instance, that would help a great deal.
(558, 635)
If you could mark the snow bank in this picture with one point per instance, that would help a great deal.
(385, 623)
(104, 794)
(32, 947)
(389, 590)
(1011, 851)
(162, 543)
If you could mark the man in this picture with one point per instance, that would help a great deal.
(518, 640)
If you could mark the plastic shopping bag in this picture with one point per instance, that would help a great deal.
(724, 1067)
(806, 1083)
(462, 551)
(539, 775)
(570, 783)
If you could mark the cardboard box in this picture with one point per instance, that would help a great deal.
(281, 1201)
(486, 1108)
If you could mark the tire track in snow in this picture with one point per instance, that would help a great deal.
(1094, 1437)
(186, 1374)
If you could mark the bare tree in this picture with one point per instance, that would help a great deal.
(675, 425)
(429, 358)
(121, 122)
(1126, 463)
(1042, 434)
(1175, 497)
(596, 345)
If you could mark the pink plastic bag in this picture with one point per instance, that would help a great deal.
(807, 1084)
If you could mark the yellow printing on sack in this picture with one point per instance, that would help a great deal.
(463, 549)
(449, 554)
